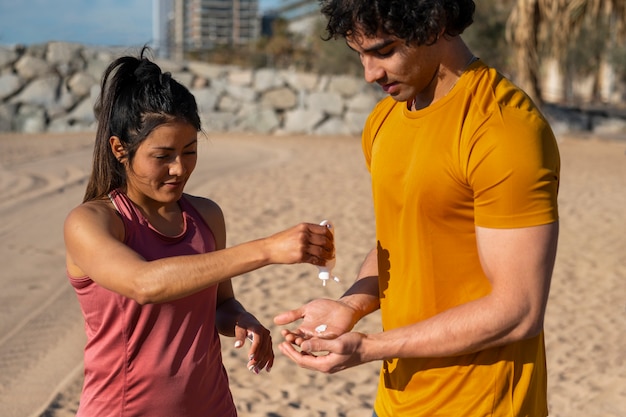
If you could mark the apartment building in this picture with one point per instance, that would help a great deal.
(196, 25)
(220, 22)
(182, 26)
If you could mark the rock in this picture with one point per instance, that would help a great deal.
(266, 79)
(300, 80)
(41, 91)
(185, 78)
(255, 118)
(302, 121)
(66, 57)
(331, 103)
(355, 121)
(29, 67)
(333, 126)
(218, 121)
(9, 84)
(30, 119)
(207, 71)
(7, 115)
(243, 93)
(607, 126)
(282, 98)
(240, 77)
(80, 83)
(7, 57)
(82, 113)
(206, 99)
(363, 102)
(345, 85)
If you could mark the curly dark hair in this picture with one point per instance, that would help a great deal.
(416, 21)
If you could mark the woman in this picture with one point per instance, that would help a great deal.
(149, 263)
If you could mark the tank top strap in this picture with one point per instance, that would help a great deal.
(126, 208)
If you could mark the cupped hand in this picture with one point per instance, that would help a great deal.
(260, 354)
(322, 318)
(326, 355)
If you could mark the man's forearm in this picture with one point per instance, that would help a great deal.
(363, 295)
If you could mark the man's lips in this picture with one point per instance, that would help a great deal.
(389, 88)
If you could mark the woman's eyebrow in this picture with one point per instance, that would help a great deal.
(169, 148)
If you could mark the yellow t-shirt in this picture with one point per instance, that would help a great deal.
(481, 156)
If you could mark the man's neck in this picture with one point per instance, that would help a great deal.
(457, 57)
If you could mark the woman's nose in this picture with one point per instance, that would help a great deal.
(177, 167)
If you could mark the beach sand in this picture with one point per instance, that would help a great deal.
(265, 184)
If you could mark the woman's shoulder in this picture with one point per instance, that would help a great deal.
(99, 207)
(203, 205)
(212, 215)
(100, 212)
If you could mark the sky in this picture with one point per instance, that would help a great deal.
(91, 22)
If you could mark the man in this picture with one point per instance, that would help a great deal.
(465, 172)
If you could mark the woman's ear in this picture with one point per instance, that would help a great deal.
(117, 148)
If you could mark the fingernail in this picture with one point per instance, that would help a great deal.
(251, 357)
(253, 369)
(268, 368)
(238, 343)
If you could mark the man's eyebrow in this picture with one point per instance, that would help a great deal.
(377, 46)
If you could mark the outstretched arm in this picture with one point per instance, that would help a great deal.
(95, 248)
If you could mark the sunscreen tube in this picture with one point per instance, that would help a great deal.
(326, 271)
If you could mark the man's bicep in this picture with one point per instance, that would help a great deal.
(519, 263)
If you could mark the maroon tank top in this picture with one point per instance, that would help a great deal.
(157, 360)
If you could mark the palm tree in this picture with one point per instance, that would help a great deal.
(550, 27)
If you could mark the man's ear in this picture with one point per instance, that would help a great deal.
(117, 148)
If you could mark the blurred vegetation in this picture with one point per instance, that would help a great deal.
(486, 36)
(576, 40)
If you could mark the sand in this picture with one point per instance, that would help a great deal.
(265, 184)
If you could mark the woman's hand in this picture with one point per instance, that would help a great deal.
(303, 243)
(260, 354)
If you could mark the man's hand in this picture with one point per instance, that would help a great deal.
(326, 355)
(323, 318)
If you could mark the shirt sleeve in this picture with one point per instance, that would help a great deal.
(513, 169)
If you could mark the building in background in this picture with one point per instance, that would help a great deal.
(182, 26)
(220, 22)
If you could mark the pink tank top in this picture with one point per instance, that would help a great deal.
(157, 360)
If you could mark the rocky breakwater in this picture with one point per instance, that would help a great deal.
(52, 88)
